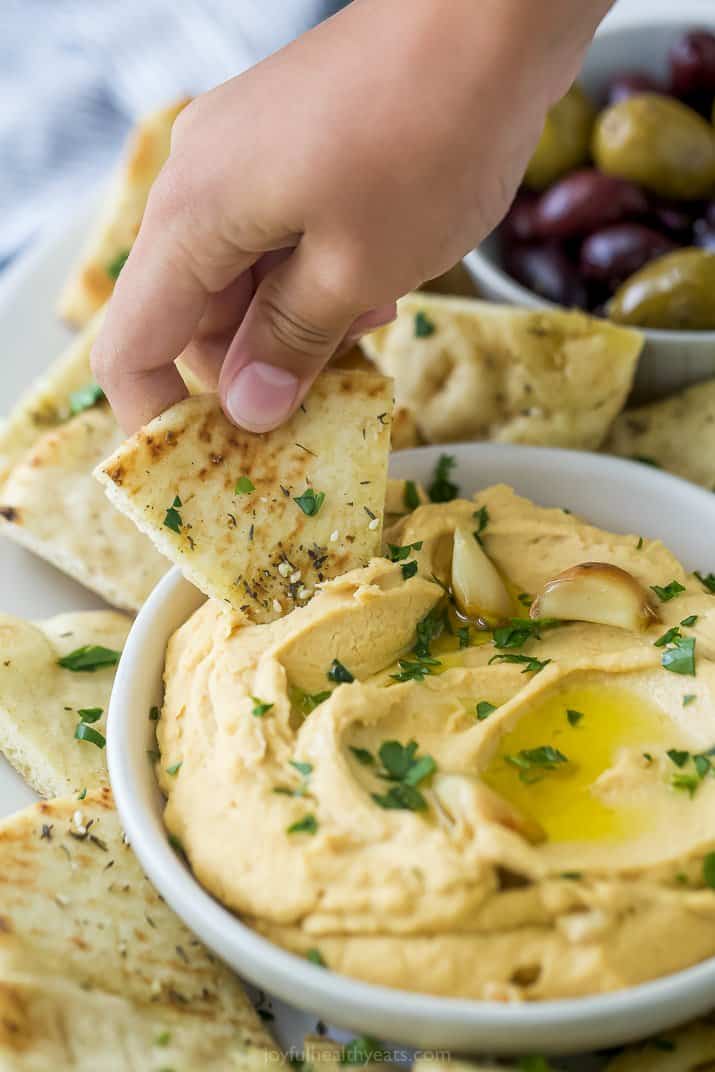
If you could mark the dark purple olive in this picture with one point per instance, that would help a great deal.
(585, 201)
(628, 84)
(547, 271)
(676, 217)
(704, 235)
(616, 252)
(518, 224)
(692, 64)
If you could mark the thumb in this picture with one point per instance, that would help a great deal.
(291, 329)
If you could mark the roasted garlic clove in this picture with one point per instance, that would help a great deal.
(478, 590)
(596, 592)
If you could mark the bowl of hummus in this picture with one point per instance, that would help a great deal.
(466, 795)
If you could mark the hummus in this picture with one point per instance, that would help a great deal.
(376, 785)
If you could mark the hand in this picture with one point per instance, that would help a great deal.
(301, 198)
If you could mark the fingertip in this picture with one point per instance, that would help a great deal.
(259, 396)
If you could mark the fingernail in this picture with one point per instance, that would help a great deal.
(261, 396)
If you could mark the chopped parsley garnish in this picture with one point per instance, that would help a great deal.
(153, 714)
(340, 673)
(484, 710)
(639, 545)
(416, 669)
(690, 620)
(648, 758)
(175, 843)
(83, 732)
(398, 553)
(689, 698)
(163, 1039)
(574, 717)
(316, 957)
(90, 714)
(310, 501)
(521, 630)
(462, 635)
(481, 516)
(260, 707)
(427, 630)
(708, 581)
(115, 266)
(89, 658)
(678, 757)
(401, 764)
(680, 658)
(85, 398)
(423, 326)
(360, 1051)
(645, 460)
(174, 768)
(532, 761)
(531, 666)
(303, 768)
(401, 797)
(173, 517)
(534, 1063)
(665, 1045)
(83, 794)
(442, 489)
(310, 700)
(410, 495)
(244, 486)
(307, 825)
(409, 569)
(362, 755)
(574, 875)
(525, 599)
(667, 638)
(687, 783)
(709, 870)
(667, 592)
(703, 764)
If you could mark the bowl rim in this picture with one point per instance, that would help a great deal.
(486, 270)
(287, 974)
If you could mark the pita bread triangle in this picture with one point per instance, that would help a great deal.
(468, 370)
(259, 520)
(42, 702)
(91, 281)
(96, 971)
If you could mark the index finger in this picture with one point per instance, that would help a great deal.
(159, 299)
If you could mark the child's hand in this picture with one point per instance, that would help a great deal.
(303, 197)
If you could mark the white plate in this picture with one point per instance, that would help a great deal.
(618, 495)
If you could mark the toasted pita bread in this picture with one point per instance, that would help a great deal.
(676, 433)
(689, 1049)
(40, 700)
(48, 402)
(50, 504)
(256, 547)
(96, 972)
(466, 369)
(92, 279)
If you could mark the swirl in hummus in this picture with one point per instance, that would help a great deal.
(526, 812)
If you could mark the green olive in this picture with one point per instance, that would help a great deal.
(659, 143)
(676, 291)
(565, 140)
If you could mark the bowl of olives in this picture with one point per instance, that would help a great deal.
(616, 211)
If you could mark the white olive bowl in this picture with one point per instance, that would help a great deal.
(670, 360)
(620, 495)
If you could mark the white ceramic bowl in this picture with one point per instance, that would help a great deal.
(613, 493)
(670, 359)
